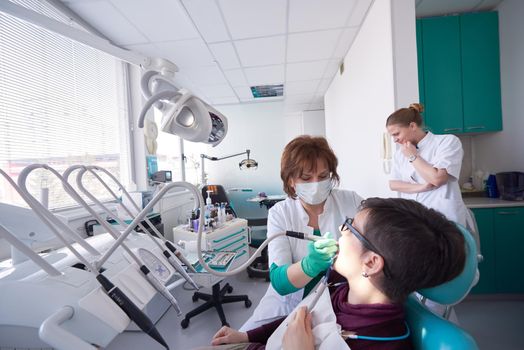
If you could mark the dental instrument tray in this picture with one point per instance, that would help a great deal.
(218, 260)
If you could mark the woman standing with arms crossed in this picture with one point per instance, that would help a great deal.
(308, 170)
(426, 167)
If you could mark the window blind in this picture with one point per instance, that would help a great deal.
(61, 103)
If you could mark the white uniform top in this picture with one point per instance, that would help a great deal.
(442, 152)
(291, 215)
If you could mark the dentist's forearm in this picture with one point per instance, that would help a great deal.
(297, 276)
(406, 187)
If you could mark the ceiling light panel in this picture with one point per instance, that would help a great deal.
(308, 15)
(261, 52)
(236, 77)
(358, 13)
(187, 53)
(207, 18)
(305, 70)
(312, 46)
(170, 22)
(109, 21)
(206, 76)
(254, 18)
(225, 55)
(265, 75)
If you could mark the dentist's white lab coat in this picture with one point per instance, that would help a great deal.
(442, 152)
(291, 215)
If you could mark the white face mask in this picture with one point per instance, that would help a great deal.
(313, 192)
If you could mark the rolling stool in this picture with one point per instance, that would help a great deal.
(259, 267)
(216, 299)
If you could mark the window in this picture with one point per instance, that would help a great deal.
(61, 103)
(168, 152)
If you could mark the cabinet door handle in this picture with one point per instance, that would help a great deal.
(452, 129)
(475, 127)
(507, 212)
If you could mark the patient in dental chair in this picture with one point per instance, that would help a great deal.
(390, 249)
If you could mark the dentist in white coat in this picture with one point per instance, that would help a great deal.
(309, 174)
(426, 167)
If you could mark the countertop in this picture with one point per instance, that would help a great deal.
(485, 202)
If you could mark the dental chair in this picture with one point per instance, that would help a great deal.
(432, 332)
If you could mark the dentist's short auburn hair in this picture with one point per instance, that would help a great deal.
(301, 155)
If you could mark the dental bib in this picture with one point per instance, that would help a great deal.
(326, 331)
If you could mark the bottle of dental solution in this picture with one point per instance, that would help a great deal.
(209, 208)
(222, 211)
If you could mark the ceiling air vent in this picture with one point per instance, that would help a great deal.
(267, 90)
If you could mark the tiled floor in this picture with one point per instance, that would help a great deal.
(494, 324)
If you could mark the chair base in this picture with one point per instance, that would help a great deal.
(216, 299)
(259, 268)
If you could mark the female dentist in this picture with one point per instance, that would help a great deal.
(314, 206)
(426, 167)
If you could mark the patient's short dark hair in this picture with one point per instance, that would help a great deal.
(421, 247)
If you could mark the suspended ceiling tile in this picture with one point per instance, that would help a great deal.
(262, 51)
(207, 18)
(224, 100)
(487, 5)
(236, 77)
(358, 13)
(250, 18)
(332, 69)
(443, 7)
(244, 93)
(315, 106)
(323, 86)
(225, 55)
(166, 21)
(149, 50)
(300, 87)
(308, 15)
(299, 99)
(187, 53)
(305, 70)
(265, 75)
(348, 35)
(312, 46)
(109, 21)
(214, 91)
(201, 76)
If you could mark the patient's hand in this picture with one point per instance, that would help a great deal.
(299, 334)
(226, 335)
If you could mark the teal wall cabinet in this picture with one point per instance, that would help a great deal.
(459, 73)
(502, 245)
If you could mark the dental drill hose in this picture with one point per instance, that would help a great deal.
(161, 289)
(180, 256)
(180, 269)
(131, 310)
(301, 235)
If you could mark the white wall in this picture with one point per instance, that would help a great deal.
(260, 128)
(503, 151)
(358, 102)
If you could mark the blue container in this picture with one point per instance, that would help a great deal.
(491, 187)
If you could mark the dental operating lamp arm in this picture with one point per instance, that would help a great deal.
(205, 156)
(225, 157)
(80, 36)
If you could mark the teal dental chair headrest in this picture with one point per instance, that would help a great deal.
(452, 292)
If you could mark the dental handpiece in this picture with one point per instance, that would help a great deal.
(131, 310)
(180, 256)
(172, 260)
(301, 235)
(161, 289)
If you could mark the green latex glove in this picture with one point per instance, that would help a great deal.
(320, 255)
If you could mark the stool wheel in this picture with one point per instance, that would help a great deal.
(194, 298)
(184, 323)
(247, 303)
(229, 289)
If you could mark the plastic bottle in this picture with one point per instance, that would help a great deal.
(223, 211)
(491, 187)
(209, 207)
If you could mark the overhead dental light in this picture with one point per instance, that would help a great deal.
(187, 116)
(245, 164)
